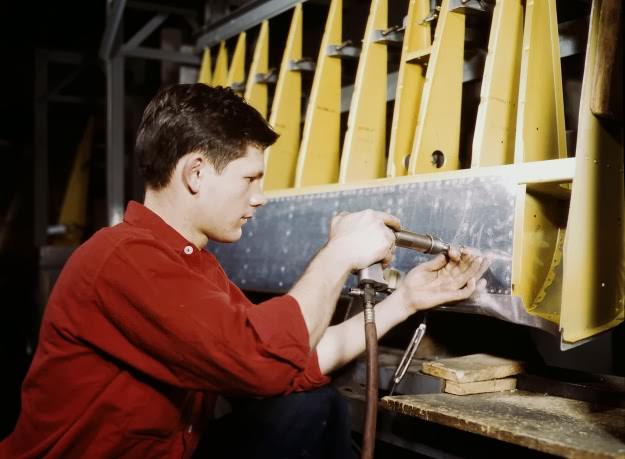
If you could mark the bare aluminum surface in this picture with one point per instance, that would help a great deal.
(478, 212)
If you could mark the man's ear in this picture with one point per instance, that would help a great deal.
(192, 169)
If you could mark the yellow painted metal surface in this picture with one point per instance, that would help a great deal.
(220, 75)
(74, 210)
(365, 140)
(540, 222)
(205, 75)
(540, 131)
(410, 80)
(493, 138)
(594, 252)
(540, 135)
(256, 92)
(236, 72)
(281, 157)
(437, 136)
(318, 159)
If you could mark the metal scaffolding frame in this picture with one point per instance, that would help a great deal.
(44, 95)
(114, 51)
(243, 18)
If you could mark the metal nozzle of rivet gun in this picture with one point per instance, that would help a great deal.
(423, 243)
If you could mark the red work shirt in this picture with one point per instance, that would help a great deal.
(140, 334)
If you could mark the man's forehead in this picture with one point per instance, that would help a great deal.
(252, 159)
(253, 151)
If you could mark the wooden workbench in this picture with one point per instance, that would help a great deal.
(553, 425)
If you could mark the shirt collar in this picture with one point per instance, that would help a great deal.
(138, 215)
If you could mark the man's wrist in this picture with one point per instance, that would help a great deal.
(404, 302)
(333, 257)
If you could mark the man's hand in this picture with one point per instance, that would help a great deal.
(363, 238)
(443, 280)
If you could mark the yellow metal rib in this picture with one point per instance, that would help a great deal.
(318, 160)
(540, 220)
(594, 252)
(540, 132)
(220, 76)
(205, 70)
(493, 140)
(410, 79)
(437, 136)
(236, 73)
(281, 157)
(74, 211)
(365, 140)
(255, 90)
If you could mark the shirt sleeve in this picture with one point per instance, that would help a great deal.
(159, 316)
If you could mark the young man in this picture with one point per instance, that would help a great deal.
(143, 329)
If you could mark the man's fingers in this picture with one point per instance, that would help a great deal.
(464, 292)
(389, 220)
(475, 268)
(436, 263)
(454, 253)
(451, 295)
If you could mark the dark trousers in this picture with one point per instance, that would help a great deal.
(311, 424)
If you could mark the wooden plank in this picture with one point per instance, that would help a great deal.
(474, 367)
(554, 425)
(480, 387)
(607, 85)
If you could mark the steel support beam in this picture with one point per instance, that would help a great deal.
(113, 25)
(243, 19)
(115, 171)
(145, 31)
(160, 55)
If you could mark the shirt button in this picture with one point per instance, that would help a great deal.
(188, 250)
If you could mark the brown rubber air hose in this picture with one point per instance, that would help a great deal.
(371, 400)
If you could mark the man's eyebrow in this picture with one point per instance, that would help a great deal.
(257, 175)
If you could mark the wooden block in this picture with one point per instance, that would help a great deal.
(553, 425)
(475, 367)
(480, 387)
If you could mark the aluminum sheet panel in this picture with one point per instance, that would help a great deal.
(280, 240)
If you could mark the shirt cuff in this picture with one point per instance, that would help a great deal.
(312, 377)
(280, 326)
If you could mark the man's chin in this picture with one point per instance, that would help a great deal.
(232, 236)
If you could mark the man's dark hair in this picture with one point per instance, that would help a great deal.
(188, 118)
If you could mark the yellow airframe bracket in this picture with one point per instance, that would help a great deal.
(410, 79)
(365, 140)
(205, 70)
(540, 223)
(256, 91)
(494, 135)
(74, 210)
(220, 75)
(236, 72)
(437, 135)
(285, 118)
(540, 131)
(318, 159)
(594, 251)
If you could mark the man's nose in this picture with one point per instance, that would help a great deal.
(258, 199)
